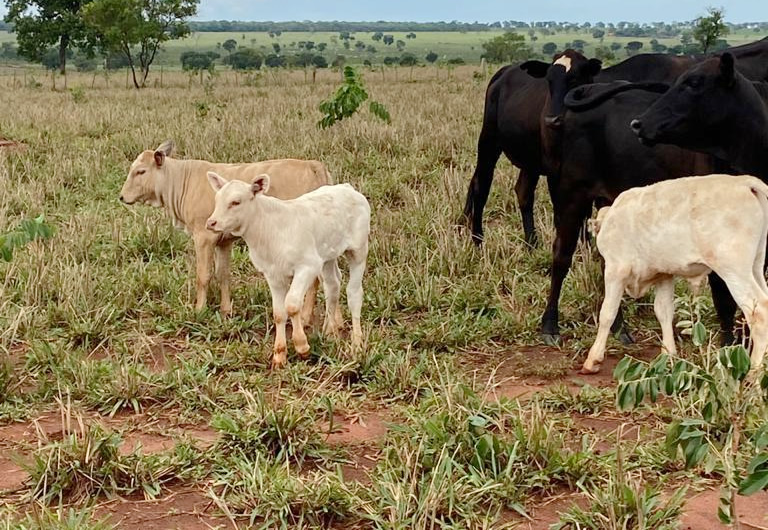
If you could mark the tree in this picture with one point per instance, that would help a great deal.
(410, 35)
(274, 61)
(276, 47)
(388, 39)
(197, 61)
(377, 36)
(431, 57)
(400, 45)
(633, 46)
(231, 45)
(245, 59)
(318, 61)
(138, 28)
(408, 59)
(321, 46)
(598, 34)
(40, 24)
(506, 48)
(347, 100)
(708, 29)
(549, 48)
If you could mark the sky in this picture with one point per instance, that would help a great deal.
(477, 10)
(480, 10)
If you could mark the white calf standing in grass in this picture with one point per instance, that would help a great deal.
(292, 242)
(685, 227)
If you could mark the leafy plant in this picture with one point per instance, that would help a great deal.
(730, 409)
(29, 230)
(347, 100)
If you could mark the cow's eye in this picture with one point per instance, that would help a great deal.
(140, 172)
(234, 203)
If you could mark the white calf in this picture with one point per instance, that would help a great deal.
(293, 242)
(685, 227)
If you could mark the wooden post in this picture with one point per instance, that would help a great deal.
(53, 78)
(161, 76)
(126, 77)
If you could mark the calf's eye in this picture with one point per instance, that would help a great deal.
(234, 203)
(141, 172)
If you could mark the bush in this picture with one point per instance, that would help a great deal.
(245, 59)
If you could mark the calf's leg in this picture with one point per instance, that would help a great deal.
(278, 287)
(664, 307)
(308, 309)
(222, 257)
(331, 287)
(614, 287)
(525, 189)
(302, 279)
(356, 260)
(204, 245)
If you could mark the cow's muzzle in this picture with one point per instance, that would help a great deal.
(637, 127)
(211, 225)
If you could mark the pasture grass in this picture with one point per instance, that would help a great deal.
(98, 335)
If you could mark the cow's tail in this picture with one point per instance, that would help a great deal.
(594, 225)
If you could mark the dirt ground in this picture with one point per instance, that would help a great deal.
(190, 508)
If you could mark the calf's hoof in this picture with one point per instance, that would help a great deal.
(303, 351)
(279, 358)
(551, 339)
(589, 367)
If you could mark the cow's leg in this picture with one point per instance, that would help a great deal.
(614, 288)
(308, 309)
(222, 257)
(302, 279)
(278, 288)
(204, 245)
(525, 189)
(356, 259)
(725, 307)
(664, 307)
(332, 288)
(567, 235)
(488, 153)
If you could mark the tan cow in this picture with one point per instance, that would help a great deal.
(685, 227)
(181, 188)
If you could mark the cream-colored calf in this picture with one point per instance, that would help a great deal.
(685, 227)
(181, 188)
(293, 242)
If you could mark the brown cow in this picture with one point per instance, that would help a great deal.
(181, 188)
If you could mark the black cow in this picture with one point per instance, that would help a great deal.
(516, 107)
(515, 104)
(599, 158)
(715, 109)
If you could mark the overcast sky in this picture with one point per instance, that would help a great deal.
(477, 10)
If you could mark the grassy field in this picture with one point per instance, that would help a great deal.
(122, 407)
(448, 45)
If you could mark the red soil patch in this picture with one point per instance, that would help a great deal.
(701, 511)
(12, 476)
(186, 509)
(356, 430)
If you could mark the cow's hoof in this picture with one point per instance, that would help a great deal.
(625, 338)
(551, 339)
(277, 364)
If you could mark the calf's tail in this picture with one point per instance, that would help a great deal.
(594, 225)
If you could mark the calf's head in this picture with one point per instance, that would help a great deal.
(696, 111)
(232, 200)
(144, 175)
(568, 70)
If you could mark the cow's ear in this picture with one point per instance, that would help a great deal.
(216, 181)
(594, 66)
(260, 184)
(727, 71)
(535, 68)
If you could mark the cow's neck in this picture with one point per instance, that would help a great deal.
(748, 151)
(174, 186)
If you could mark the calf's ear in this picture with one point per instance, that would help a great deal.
(165, 149)
(216, 181)
(727, 70)
(535, 68)
(260, 184)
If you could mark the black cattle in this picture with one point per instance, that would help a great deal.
(515, 104)
(599, 158)
(714, 109)
(516, 107)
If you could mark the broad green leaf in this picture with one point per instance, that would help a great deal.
(754, 482)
